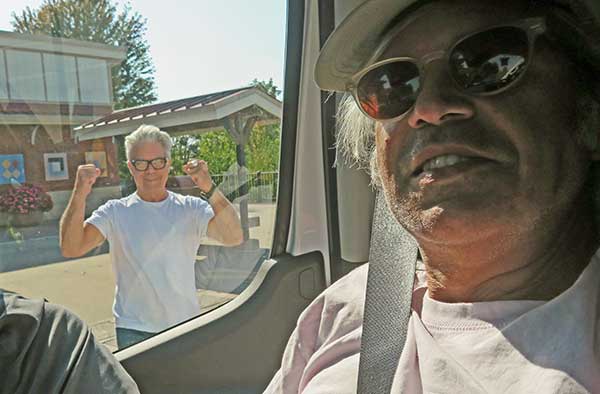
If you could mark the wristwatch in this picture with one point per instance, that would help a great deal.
(207, 195)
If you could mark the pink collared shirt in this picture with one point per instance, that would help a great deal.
(485, 347)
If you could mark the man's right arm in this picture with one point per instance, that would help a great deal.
(76, 237)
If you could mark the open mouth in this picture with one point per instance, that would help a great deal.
(449, 164)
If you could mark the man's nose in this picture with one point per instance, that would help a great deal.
(438, 101)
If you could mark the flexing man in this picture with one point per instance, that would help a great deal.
(153, 234)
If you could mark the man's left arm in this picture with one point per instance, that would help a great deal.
(225, 226)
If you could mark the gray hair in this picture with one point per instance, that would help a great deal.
(355, 140)
(147, 133)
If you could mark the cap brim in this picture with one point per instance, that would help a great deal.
(354, 41)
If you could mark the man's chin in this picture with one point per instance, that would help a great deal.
(446, 222)
(154, 183)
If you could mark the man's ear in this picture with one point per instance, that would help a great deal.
(130, 167)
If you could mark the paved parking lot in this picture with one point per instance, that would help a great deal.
(86, 285)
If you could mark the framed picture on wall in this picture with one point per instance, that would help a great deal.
(56, 166)
(12, 169)
(99, 160)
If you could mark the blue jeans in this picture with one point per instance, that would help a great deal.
(127, 337)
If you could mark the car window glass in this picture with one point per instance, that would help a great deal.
(75, 79)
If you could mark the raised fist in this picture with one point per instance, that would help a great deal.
(198, 171)
(86, 177)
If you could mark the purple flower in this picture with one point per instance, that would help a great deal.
(25, 199)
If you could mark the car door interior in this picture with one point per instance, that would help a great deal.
(236, 348)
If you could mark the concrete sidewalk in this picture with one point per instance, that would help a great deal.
(86, 287)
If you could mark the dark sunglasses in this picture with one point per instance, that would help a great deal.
(142, 165)
(482, 63)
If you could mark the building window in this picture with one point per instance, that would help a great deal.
(61, 78)
(93, 81)
(3, 79)
(26, 75)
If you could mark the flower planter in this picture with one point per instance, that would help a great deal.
(25, 198)
(26, 219)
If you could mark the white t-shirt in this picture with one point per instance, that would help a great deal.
(484, 347)
(153, 247)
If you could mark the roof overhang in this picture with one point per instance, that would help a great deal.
(204, 118)
(24, 113)
(64, 46)
(28, 119)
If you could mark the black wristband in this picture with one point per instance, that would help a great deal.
(207, 195)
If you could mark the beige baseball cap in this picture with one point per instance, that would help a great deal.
(352, 44)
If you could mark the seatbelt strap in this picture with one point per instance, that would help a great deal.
(392, 261)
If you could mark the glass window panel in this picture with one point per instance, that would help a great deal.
(44, 148)
(26, 75)
(61, 78)
(93, 80)
(3, 81)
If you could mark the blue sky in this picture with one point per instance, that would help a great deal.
(203, 46)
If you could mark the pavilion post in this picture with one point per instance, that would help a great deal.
(240, 128)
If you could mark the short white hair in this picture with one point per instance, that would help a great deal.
(147, 133)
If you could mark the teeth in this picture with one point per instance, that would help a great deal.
(443, 161)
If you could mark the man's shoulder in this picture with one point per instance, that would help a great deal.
(14, 304)
(186, 200)
(122, 202)
(32, 313)
(342, 301)
(350, 288)
(48, 336)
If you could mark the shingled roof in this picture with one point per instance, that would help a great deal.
(162, 108)
(195, 110)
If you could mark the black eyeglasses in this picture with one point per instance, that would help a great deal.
(142, 165)
(483, 63)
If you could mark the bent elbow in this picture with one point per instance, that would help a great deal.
(66, 253)
(69, 253)
(238, 240)
(239, 237)
(235, 238)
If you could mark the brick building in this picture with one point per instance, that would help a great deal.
(47, 87)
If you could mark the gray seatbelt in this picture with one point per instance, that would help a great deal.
(392, 260)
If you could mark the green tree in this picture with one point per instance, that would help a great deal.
(218, 149)
(99, 21)
(268, 87)
(262, 151)
(185, 148)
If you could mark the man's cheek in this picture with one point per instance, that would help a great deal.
(383, 145)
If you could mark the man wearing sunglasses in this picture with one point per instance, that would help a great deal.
(480, 120)
(153, 233)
